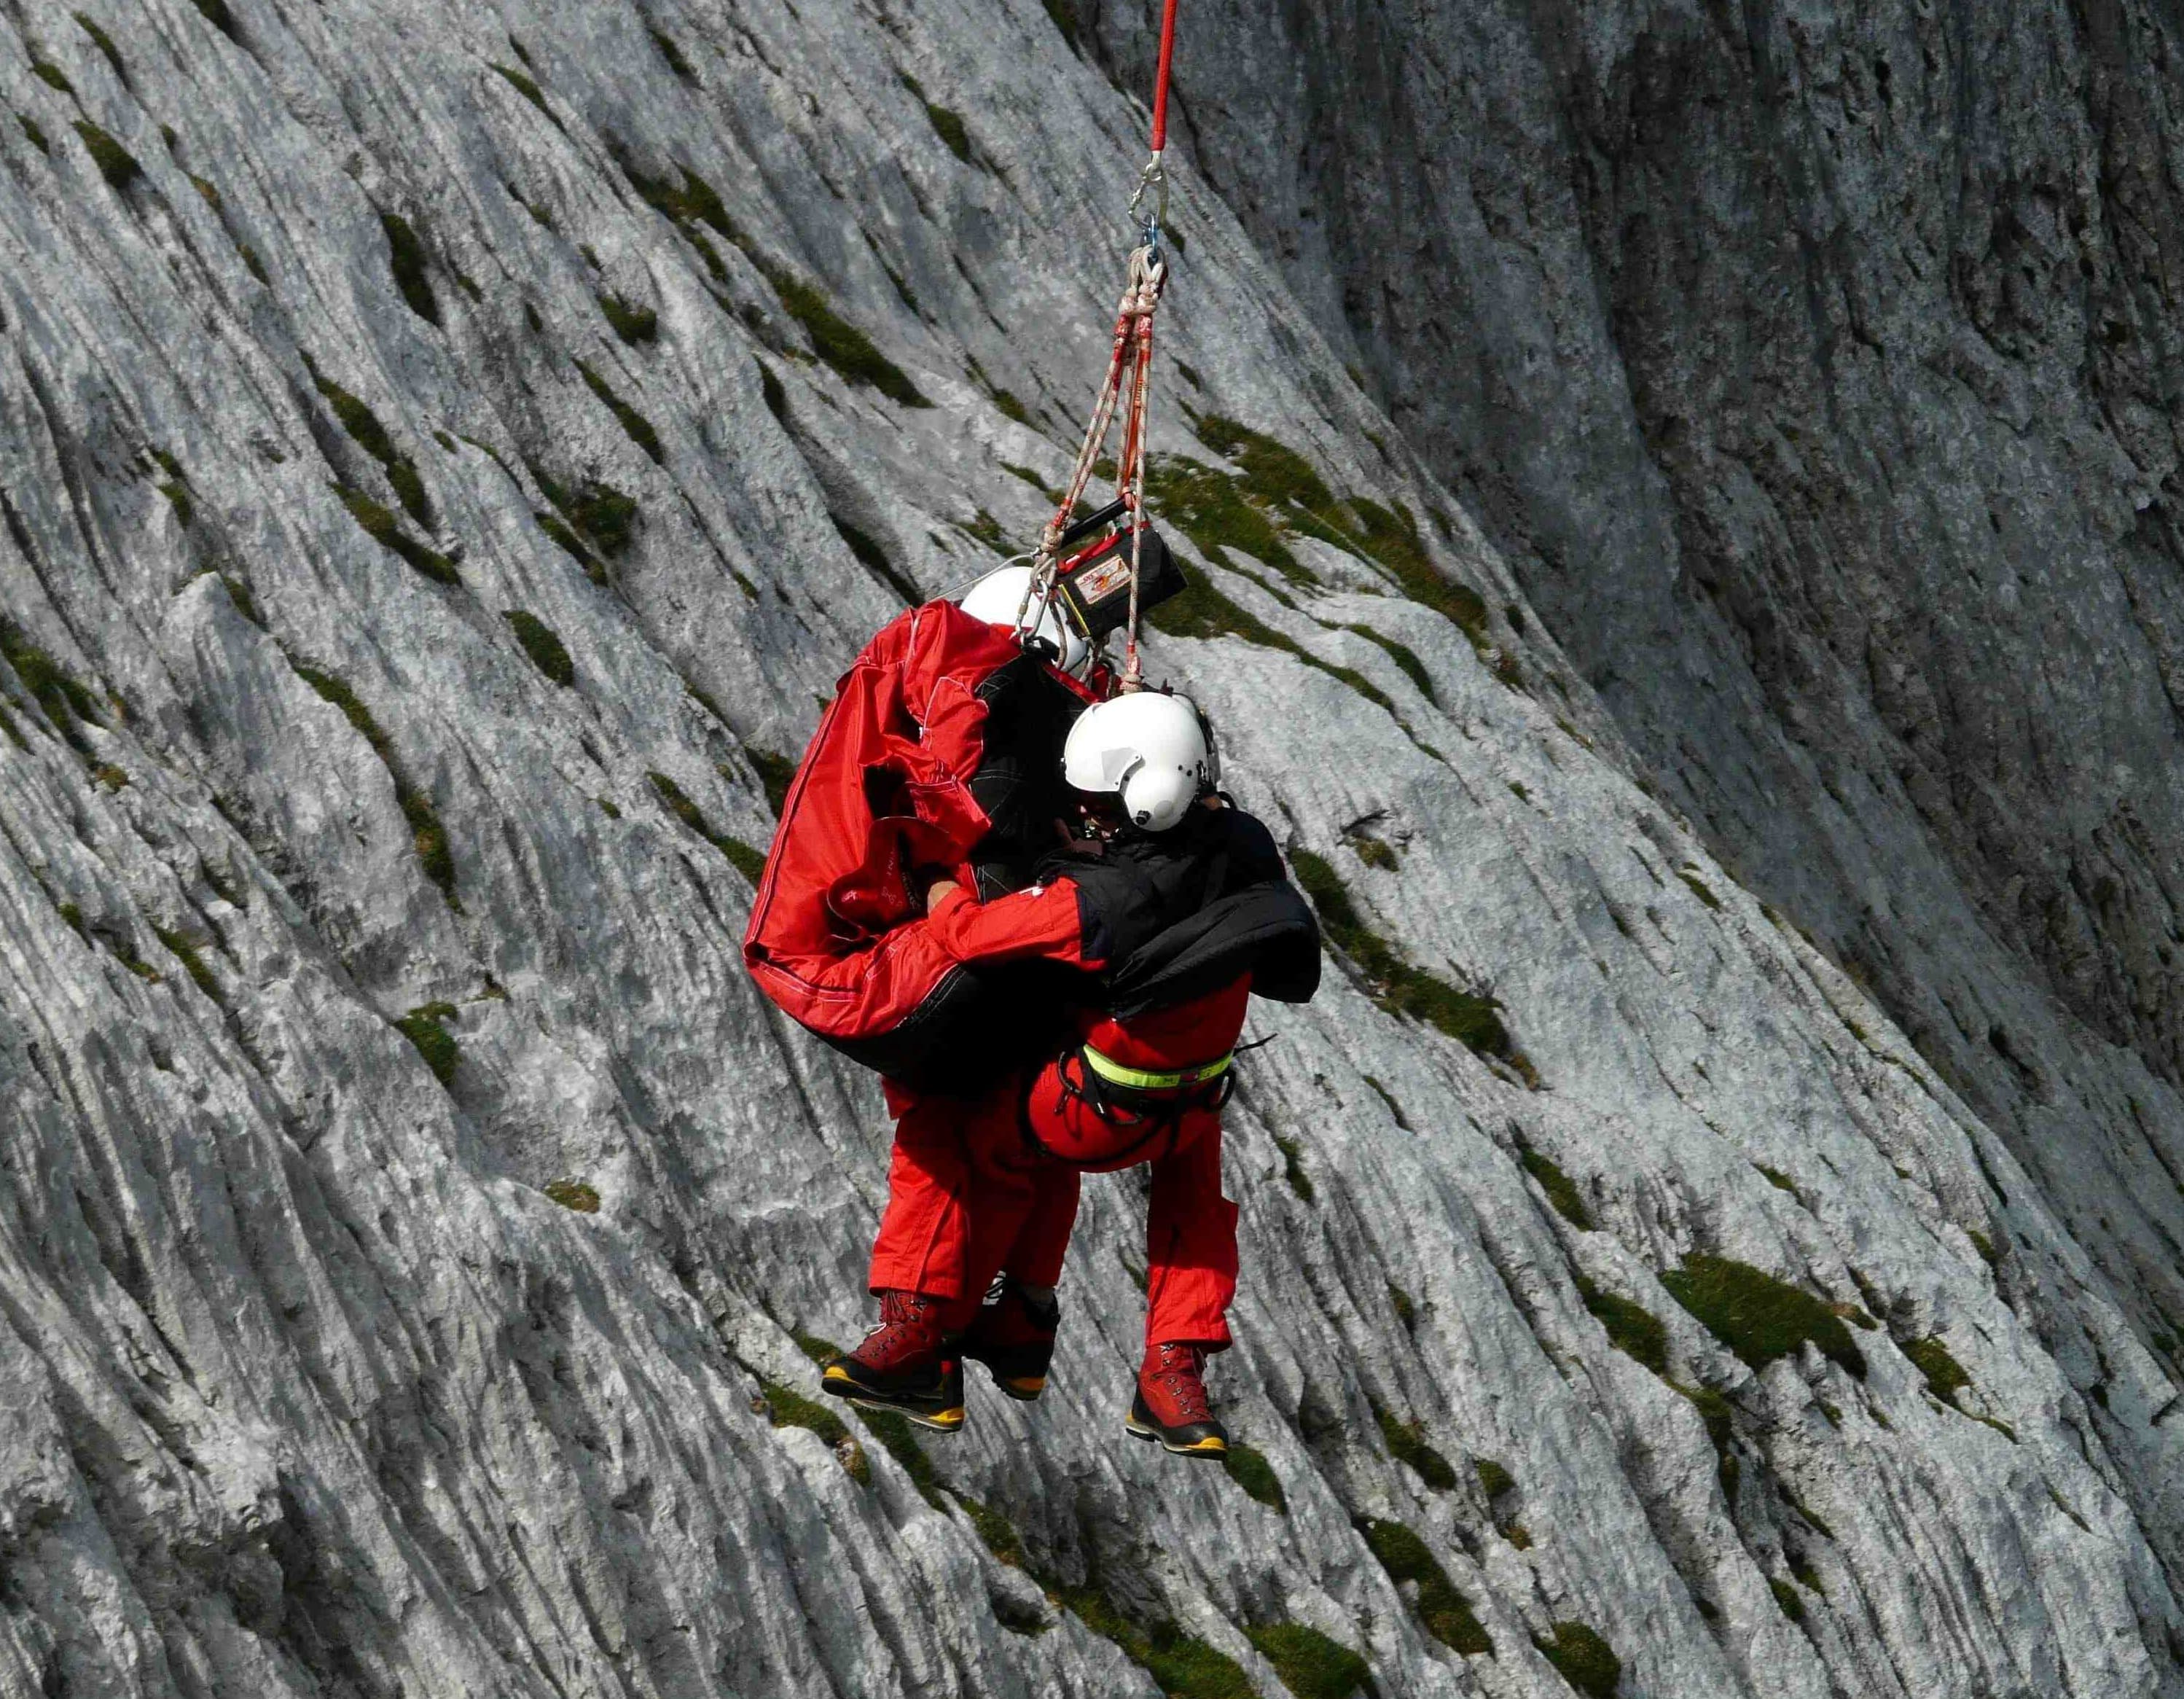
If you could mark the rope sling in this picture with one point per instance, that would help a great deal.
(1127, 386)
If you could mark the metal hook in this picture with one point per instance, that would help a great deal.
(1154, 178)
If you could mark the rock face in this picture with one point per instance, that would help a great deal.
(448, 453)
(1817, 375)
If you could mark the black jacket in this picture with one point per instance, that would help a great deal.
(1178, 914)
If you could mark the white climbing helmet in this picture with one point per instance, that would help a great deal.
(998, 598)
(1149, 749)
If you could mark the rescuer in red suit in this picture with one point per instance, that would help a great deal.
(1173, 907)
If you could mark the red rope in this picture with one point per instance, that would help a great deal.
(1160, 81)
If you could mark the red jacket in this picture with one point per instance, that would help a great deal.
(885, 790)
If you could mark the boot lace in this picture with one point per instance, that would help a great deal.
(908, 1325)
(1179, 1370)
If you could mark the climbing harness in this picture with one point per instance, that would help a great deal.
(1153, 1079)
(1071, 581)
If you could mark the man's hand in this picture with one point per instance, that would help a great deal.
(937, 890)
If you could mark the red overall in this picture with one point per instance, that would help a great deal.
(883, 789)
(977, 1187)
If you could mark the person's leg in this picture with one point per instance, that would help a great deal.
(1014, 1335)
(1190, 1242)
(1009, 1187)
(1190, 1254)
(1033, 1261)
(910, 1362)
(924, 1235)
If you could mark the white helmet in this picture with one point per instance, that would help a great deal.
(1149, 749)
(998, 598)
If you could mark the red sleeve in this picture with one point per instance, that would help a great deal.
(1040, 922)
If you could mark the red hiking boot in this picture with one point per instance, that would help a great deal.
(1171, 1405)
(907, 1363)
(1014, 1338)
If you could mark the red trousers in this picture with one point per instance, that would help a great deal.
(975, 1188)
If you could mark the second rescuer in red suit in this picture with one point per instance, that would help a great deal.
(1170, 926)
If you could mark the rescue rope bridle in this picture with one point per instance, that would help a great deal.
(1127, 386)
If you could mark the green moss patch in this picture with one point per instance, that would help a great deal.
(673, 54)
(427, 835)
(785, 1407)
(634, 423)
(1398, 987)
(573, 546)
(1406, 1444)
(544, 645)
(686, 205)
(632, 323)
(405, 257)
(65, 701)
(874, 559)
(1945, 1376)
(379, 524)
(574, 1194)
(33, 132)
(1700, 888)
(745, 860)
(1494, 1479)
(215, 13)
(606, 517)
(1287, 495)
(1293, 1169)
(947, 125)
(115, 162)
(1247, 1465)
(52, 75)
(1758, 1316)
(1182, 1667)
(176, 487)
(1199, 610)
(1311, 1665)
(1405, 658)
(425, 1027)
(1443, 1612)
(1562, 1191)
(1214, 511)
(840, 343)
(179, 946)
(1374, 852)
(524, 86)
(370, 434)
(995, 1531)
(1391, 538)
(987, 529)
(1187, 1668)
(900, 1436)
(775, 772)
(1632, 1329)
(104, 42)
(1586, 1661)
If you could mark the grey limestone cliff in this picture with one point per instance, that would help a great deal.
(446, 454)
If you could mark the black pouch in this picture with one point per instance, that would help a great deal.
(1094, 585)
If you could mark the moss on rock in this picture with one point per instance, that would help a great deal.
(1758, 1316)
(548, 653)
(1442, 1610)
(1311, 1665)
(1585, 1660)
(115, 162)
(426, 1028)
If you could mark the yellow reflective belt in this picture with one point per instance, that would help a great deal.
(1139, 1079)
